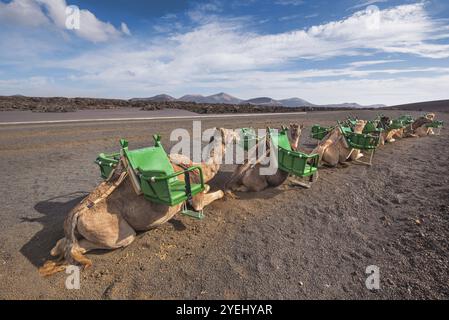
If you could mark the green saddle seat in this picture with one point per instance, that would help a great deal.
(293, 162)
(371, 127)
(248, 139)
(406, 119)
(397, 124)
(297, 163)
(360, 141)
(319, 132)
(279, 138)
(350, 122)
(346, 130)
(401, 122)
(107, 163)
(158, 180)
(435, 124)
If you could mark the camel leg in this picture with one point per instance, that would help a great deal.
(203, 200)
(86, 245)
(83, 246)
(211, 197)
(252, 181)
(370, 162)
(242, 188)
(235, 180)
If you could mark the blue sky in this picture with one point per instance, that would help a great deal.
(363, 51)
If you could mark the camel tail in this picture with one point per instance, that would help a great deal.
(73, 253)
(67, 251)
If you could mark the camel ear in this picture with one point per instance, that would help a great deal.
(301, 126)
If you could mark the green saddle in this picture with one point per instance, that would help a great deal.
(401, 122)
(319, 132)
(435, 124)
(107, 163)
(248, 138)
(158, 180)
(359, 141)
(371, 127)
(293, 162)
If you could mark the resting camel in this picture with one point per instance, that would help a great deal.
(419, 128)
(333, 149)
(389, 135)
(247, 176)
(110, 216)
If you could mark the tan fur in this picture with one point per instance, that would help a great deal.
(333, 149)
(113, 221)
(247, 177)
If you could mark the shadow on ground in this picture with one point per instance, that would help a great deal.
(55, 209)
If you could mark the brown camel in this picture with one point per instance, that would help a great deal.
(419, 128)
(247, 176)
(112, 213)
(333, 149)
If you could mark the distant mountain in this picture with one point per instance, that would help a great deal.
(192, 98)
(262, 101)
(224, 98)
(295, 102)
(215, 98)
(158, 98)
(343, 105)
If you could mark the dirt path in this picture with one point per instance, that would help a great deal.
(286, 243)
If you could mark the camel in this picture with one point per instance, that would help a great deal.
(419, 128)
(389, 135)
(109, 217)
(247, 176)
(334, 150)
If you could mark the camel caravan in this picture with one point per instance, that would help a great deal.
(145, 188)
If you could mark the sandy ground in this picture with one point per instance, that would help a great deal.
(284, 243)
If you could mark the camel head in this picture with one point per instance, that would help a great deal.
(219, 142)
(225, 136)
(430, 116)
(359, 126)
(384, 122)
(294, 133)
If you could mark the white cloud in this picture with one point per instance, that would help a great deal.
(203, 12)
(358, 64)
(35, 13)
(222, 55)
(91, 28)
(125, 29)
(366, 3)
(23, 13)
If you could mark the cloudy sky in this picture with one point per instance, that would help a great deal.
(363, 51)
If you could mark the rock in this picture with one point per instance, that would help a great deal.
(398, 199)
